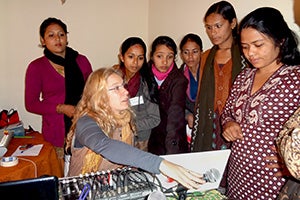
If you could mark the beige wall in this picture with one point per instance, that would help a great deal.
(178, 17)
(97, 28)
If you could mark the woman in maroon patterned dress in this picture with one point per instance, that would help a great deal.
(261, 101)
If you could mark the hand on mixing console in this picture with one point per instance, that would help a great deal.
(188, 178)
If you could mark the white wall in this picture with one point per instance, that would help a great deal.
(96, 29)
(179, 17)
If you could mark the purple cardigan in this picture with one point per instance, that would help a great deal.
(44, 89)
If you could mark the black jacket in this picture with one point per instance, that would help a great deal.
(169, 137)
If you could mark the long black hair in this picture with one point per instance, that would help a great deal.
(145, 72)
(51, 20)
(227, 11)
(163, 40)
(270, 22)
(191, 37)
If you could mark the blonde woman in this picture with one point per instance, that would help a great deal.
(103, 129)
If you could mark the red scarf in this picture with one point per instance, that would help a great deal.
(133, 84)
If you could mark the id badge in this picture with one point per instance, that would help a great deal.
(136, 100)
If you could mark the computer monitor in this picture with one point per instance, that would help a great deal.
(45, 188)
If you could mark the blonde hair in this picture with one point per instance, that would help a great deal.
(94, 103)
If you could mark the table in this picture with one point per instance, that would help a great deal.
(46, 162)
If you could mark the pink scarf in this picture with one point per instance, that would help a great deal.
(161, 75)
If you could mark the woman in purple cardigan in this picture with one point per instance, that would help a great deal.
(54, 82)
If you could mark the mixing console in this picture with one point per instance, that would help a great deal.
(125, 183)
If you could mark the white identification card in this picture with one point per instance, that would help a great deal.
(136, 100)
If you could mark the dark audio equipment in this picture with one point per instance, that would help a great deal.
(121, 184)
(45, 187)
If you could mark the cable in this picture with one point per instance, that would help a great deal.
(181, 191)
(35, 167)
(85, 191)
(143, 174)
(172, 191)
(123, 183)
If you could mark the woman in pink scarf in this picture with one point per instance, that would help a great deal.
(169, 137)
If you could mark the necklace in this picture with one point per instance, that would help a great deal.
(60, 70)
(225, 48)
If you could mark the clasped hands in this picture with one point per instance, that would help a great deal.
(232, 132)
(65, 109)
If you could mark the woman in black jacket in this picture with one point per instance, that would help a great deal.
(169, 137)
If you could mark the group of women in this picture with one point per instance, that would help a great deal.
(237, 95)
(105, 128)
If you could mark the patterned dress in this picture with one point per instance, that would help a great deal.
(261, 116)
